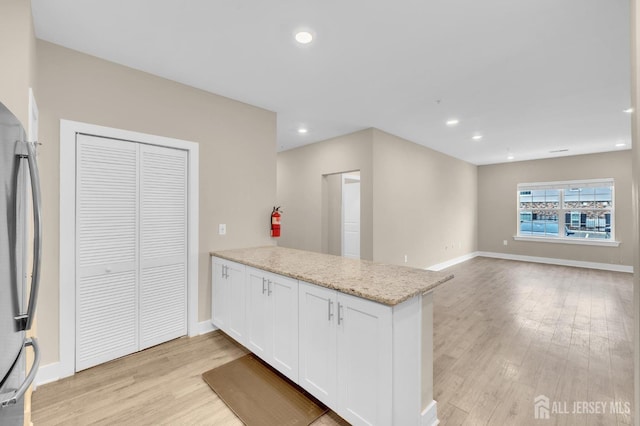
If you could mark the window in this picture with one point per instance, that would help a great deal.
(577, 211)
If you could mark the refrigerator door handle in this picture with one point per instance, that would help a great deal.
(25, 320)
(12, 398)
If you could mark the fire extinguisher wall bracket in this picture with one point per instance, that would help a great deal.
(275, 222)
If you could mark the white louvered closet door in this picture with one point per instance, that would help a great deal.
(106, 250)
(163, 245)
(131, 248)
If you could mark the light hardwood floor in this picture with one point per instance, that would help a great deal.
(505, 332)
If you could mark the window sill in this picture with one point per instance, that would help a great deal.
(583, 242)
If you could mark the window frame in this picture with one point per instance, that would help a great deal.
(562, 210)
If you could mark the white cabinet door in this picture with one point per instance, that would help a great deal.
(259, 320)
(236, 307)
(228, 304)
(219, 294)
(272, 320)
(283, 300)
(364, 334)
(317, 349)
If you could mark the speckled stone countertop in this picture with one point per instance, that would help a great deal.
(382, 283)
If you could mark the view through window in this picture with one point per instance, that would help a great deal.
(567, 210)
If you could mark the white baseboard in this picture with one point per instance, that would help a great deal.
(429, 416)
(534, 259)
(51, 372)
(205, 327)
(47, 374)
(561, 262)
(449, 263)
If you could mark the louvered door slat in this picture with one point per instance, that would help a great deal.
(163, 306)
(108, 310)
(106, 250)
(163, 245)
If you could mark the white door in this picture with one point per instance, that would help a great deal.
(163, 244)
(131, 258)
(364, 361)
(317, 372)
(107, 250)
(283, 295)
(350, 217)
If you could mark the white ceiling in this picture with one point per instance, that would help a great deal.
(531, 76)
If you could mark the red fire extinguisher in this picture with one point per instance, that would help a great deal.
(275, 222)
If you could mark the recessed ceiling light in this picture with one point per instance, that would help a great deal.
(628, 110)
(302, 130)
(304, 37)
(510, 157)
(476, 137)
(453, 122)
(621, 144)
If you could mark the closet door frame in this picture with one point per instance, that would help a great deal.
(68, 132)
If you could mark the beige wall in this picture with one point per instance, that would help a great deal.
(401, 186)
(497, 216)
(237, 156)
(300, 189)
(424, 203)
(17, 49)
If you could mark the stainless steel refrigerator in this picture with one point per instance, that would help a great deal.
(18, 293)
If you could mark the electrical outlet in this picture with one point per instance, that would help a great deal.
(505, 242)
(406, 258)
(222, 229)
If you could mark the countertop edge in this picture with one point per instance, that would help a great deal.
(311, 280)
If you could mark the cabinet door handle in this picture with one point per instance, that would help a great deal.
(340, 318)
(269, 287)
(330, 302)
(226, 271)
(264, 290)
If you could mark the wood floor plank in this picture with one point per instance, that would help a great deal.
(452, 415)
(516, 408)
(486, 404)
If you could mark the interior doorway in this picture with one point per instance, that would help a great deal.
(341, 200)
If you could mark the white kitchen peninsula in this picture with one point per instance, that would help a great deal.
(356, 334)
